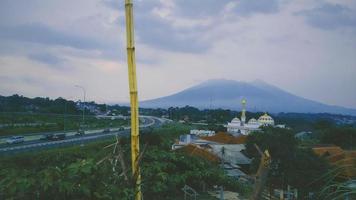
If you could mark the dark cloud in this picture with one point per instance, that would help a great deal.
(161, 33)
(42, 34)
(158, 32)
(47, 58)
(330, 16)
(36, 36)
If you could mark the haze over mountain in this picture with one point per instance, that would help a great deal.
(228, 94)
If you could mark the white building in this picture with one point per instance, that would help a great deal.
(240, 127)
(202, 132)
(187, 139)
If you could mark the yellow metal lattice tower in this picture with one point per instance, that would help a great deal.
(135, 144)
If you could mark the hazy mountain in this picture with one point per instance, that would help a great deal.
(260, 96)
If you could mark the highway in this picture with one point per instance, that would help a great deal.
(33, 142)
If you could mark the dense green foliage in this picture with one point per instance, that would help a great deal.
(290, 165)
(343, 136)
(16, 103)
(25, 123)
(77, 173)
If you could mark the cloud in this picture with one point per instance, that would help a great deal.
(43, 34)
(330, 16)
(47, 58)
(181, 25)
(200, 8)
(159, 33)
(41, 42)
(61, 43)
(249, 7)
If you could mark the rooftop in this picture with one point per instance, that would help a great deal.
(226, 138)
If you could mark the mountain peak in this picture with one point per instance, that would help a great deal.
(218, 82)
(260, 96)
(259, 81)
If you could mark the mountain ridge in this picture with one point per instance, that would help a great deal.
(227, 94)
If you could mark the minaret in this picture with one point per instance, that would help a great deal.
(243, 113)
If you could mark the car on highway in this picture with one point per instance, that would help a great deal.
(56, 136)
(121, 129)
(15, 140)
(80, 132)
(59, 136)
(107, 130)
(45, 136)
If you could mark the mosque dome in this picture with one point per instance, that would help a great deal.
(235, 120)
(252, 121)
(266, 120)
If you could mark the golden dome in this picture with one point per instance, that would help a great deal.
(266, 120)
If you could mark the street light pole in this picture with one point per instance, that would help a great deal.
(84, 94)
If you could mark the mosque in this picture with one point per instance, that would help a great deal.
(240, 127)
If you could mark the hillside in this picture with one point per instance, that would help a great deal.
(260, 96)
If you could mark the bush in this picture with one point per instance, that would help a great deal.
(73, 173)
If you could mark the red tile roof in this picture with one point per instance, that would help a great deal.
(195, 150)
(226, 138)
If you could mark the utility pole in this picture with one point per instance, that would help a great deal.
(135, 144)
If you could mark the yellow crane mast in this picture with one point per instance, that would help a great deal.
(135, 144)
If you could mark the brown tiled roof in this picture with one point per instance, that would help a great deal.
(329, 151)
(226, 138)
(345, 160)
(194, 150)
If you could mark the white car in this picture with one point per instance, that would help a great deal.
(15, 140)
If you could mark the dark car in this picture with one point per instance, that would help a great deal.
(107, 130)
(46, 137)
(80, 132)
(59, 136)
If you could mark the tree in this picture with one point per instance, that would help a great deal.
(290, 165)
(344, 136)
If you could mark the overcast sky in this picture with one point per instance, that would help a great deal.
(307, 47)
